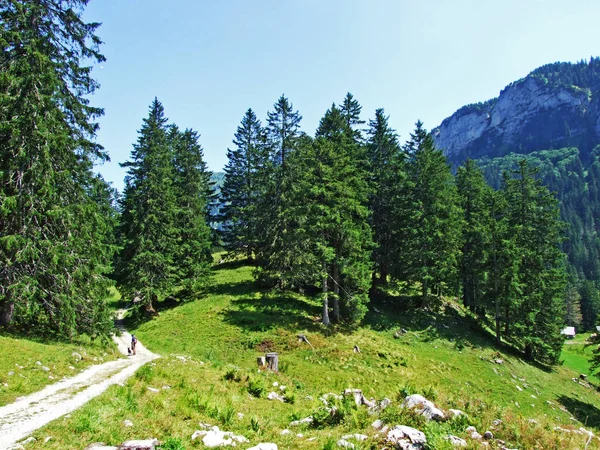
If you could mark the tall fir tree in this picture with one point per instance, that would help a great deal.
(55, 214)
(147, 268)
(331, 194)
(244, 189)
(385, 162)
(192, 185)
(429, 218)
(350, 110)
(473, 194)
(283, 138)
(533, 220)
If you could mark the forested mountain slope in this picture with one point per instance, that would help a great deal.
(551, 118)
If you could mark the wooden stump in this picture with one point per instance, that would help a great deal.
(261, 361)
(272, 361)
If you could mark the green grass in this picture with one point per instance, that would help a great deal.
(576, 356)
(443, 355)
(20, 375)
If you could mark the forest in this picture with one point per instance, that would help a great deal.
(348, 214)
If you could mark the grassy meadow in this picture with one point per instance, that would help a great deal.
(208, 374)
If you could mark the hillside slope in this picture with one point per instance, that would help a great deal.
(208, 374)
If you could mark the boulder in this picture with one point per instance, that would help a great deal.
(275, 396)
(426, 408)
(345, 444)
(406, 438)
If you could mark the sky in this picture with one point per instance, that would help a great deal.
(208, 61)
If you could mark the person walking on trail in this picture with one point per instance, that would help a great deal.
(133, 343)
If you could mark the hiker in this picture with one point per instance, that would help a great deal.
(133, 343)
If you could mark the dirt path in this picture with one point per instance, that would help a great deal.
(29, 413)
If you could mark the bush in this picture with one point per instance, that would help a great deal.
(256, 387)
(233, 374)
(171, 444)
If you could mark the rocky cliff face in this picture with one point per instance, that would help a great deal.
(542, 111)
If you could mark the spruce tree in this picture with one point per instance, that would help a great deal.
(193, 256)
(429, 218)
(473, 193)
(533, 217)
(244, 189)
(55, 214)
(147, 265)
(385, 173)
(350, 110)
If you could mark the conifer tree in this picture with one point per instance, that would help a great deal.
(473, 193)
(385, 172)
(429, 218)
(193, 256)
(350, 110)
(283, 130)
(244, 189)
(55, 220)
(533, 217)
(147, 267)
(331, 201)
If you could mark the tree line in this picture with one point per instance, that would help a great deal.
(348, 212)
(352, 213)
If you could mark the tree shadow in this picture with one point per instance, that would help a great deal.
(272, 310)
(586, 413)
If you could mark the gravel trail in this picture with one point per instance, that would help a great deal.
(27, 414)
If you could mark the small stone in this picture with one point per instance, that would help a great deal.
(127, 423)
(456, 441)
(345, 444)
(29, 440)
(299, 435)
(488, 435)
(356, 437)
(282, 388)
(284, 432)
(152, 389)
(166, 387)
(378, 424)
(519, 388)
(264, 446)
(38, 363)
(496, 422)
(77, 356)
(240, 415)
(146, 444)
(456, 412)
(5, 384)
(306, 420)
(499, 361)
(10, 374)
(275, 396)
(71, 367)
(47, 439)
(275, 384)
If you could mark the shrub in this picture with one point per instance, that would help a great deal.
(256, 387)
(171, 444)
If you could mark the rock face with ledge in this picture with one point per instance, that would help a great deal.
(541, 111)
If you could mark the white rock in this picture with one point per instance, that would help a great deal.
(345, 444)
(306, 420)
(77, 356)
(147, 444)
(299, 435)
(284, 432)
(282, 388)
(47, 439)
(128, 423)
(264, 446)
(216, 438)
(356, 437)
(29, 440)
(38, 363)
(377, 424)
(198, 433)
(426, 408)
(166, 388)
(456, 441)
(152, 389)
(456, 412)
(181, 358)
(406, 438)
(240, 415)
(275, 396)
(519, 388)
(275, 384)
(205, 426)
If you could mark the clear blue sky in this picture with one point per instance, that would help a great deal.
(209, 61)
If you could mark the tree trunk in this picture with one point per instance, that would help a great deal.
(6, 315)
(373, 288)
(326, 321)
(424, 291)
(383, 273)
(336, 291)
(272, 361)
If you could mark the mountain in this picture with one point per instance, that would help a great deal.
(555, 106)
(551, 118)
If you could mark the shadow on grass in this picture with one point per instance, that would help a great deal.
(586, 413)
(271, 310)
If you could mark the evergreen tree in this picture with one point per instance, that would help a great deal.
(244, 189)
(429, 218)
(385, 171)
(590, 304)
(533, 217)
(147, 264)
(330, 199)
(350, 110)
(473, 193)
(55, 214)
(193, 256)
(276, 254)
(573, 316)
